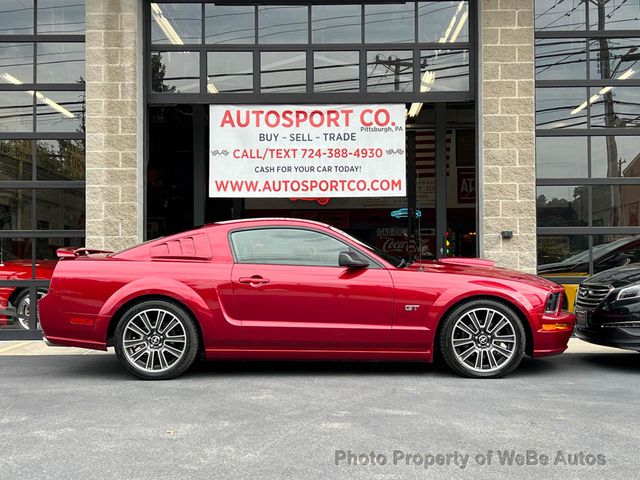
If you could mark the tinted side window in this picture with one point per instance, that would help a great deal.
(286, 246)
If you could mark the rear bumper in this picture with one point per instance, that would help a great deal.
(553, 334)
(73, 342)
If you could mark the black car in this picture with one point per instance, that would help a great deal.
(608, 308)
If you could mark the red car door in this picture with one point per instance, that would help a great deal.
(291, 293)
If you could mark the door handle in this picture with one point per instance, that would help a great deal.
(254, 281)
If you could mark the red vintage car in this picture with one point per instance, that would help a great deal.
(297, 289)
(16, 297)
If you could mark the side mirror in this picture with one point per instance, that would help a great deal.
(352, 260)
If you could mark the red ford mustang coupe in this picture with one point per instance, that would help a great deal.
(297, 289)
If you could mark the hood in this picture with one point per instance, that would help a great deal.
(478, 267)
(617, 277)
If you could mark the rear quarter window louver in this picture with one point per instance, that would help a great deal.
(192, 247)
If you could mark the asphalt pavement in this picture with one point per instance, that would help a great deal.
(83, 417)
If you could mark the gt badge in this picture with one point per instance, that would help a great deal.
(411, 308)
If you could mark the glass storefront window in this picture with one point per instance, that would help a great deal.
(562, 157)
(560, 107)
(611, 250)
(336, 23)
(60, 160)
(176, 23)
(619, 15)
(15, 160)
(60, 209)
(46, 247)
(616, 206)
(283, 24)
(443, 22)
(555, 15)
(16, 17)
(390, 71)
(16, 111)
(15, 208)
(60, 63)
(61, 16)
(615, 107)
(389, 23)
(563, 255)
(336, 72)
(230, 72)
(229, 24)
(16, 63)
(614, 58)
(12, 248)
(559, 59)
(58, 111)
(282, 72)
(615, 156)
(175, 72)
(444, 70)
(562, 206)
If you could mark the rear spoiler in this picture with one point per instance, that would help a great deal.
(72, 252)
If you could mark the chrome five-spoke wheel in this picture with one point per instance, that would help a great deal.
(482, 338)
(156, 339)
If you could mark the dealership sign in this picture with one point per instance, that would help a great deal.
(303, 151)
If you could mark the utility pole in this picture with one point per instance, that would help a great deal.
(394, 64)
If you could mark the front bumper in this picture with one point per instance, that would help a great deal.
(611, 330)
(553, 334)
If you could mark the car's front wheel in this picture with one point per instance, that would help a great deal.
(482, 339)
(156, 340)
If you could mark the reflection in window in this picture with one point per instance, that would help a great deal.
(176, 23)
(563, 255)
(15, 249)
(444, 70)
(175, 72)
(611, 250)
(390, 71)
(230, 72)
(15, 208)
(283, 24)
(15, 160)
(561, 107)
(16, 17)
(336, 72)
(614, 15)
(562, 206)
(283, 72)
(60, 63)
(60, 111)
(615, 156)
(285, 246)
(60, 160)
(616, 206)
(614, 58)
(229, 24)
(555, 15)
(558, 59)
(61, 16)
(60, 209)
(336, 23)
(16, 111)
(389, 23)
(615, 107)
(16, 63)
(561, 157)
(443, 22)
(46, 247)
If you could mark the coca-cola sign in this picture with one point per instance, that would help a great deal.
(397, 242)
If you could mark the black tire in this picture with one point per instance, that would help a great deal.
(176, 365)
(493, 345)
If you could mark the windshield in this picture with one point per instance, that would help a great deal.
(392, 259)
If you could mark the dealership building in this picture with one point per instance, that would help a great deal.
(518, 120)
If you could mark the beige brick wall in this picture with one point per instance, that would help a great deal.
(507, 191)
(113, 123)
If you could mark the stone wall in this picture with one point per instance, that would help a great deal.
(507, 192)
(114, 124)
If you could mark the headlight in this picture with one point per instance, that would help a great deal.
(629, 292)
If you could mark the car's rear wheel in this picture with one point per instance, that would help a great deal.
(156, 340)
(482, 339)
